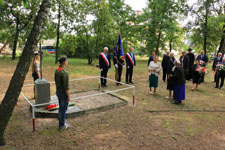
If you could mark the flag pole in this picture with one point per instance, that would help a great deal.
(117, 74)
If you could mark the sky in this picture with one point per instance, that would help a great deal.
(136, 4)
(140, 4)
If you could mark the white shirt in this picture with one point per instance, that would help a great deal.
(157, 67)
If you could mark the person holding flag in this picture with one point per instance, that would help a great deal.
(131, 62)
(118, 60)
(105, 65)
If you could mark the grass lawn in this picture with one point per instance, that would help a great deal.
(124, 128)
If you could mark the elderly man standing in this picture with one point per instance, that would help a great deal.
(165, 61)
(203, 59)
(221, 73)
(131, 62)
(105, 65)
(215, 62)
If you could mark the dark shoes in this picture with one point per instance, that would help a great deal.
(129, 83)
(177, 102)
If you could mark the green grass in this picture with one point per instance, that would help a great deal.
(135, 123)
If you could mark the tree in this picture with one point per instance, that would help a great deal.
(58, 31)
(222, 43)
(124, 18)
(19, 15)
(159, 23)
(16, 83)
(203, 10)
(221, 12)
(207, 28)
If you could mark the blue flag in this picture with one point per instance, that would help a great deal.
(119, 48)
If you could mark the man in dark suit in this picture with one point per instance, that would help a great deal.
(105, 65)
(217, 60)
(184, 60)
(221, 75)
(151, 58)
(131, 62)
(165, 61)
(203, 58)
(119, 64)
(191, 57)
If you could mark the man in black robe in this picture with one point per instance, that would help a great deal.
(165, 62)
(191, 57)
(184, 60)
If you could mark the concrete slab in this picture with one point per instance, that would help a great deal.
(84, 105)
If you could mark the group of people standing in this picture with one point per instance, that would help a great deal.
(119, 63)
(173, 72)
(219, 70)
(177, 71)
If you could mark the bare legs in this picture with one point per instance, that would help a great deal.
(194, 86)
(170, 94)
(154, 91)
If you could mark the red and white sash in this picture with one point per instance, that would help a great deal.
(131, 60)
(105, 59)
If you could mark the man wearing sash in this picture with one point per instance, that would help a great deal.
(105, 65)
(131, 62)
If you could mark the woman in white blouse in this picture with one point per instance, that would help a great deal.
(154, 70)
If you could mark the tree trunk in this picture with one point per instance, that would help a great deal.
(58, 33)
(1, 49)
(158, 43)
(171, 47)
(17, 80)
(222, 42)
(90, 60)
(206, 27)
(15, 40)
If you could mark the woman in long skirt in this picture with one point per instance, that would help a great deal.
(179, 83)
(154, 70)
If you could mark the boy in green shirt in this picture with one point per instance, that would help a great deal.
(62, 91)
